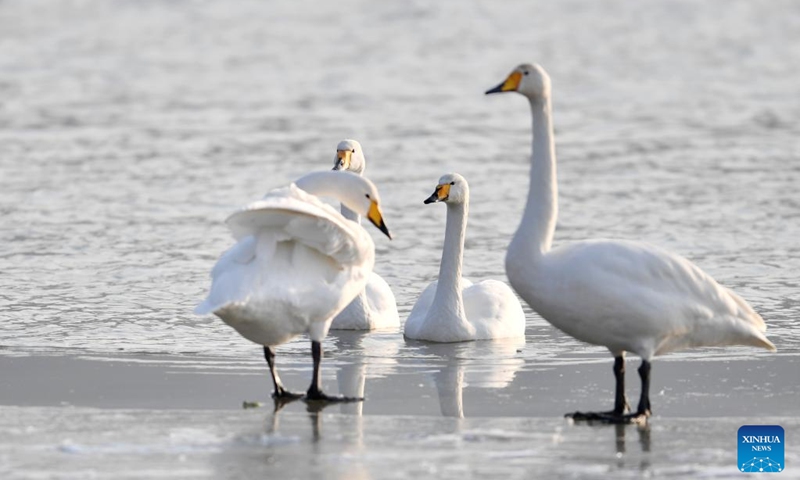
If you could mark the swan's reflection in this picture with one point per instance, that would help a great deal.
(484, 364)
(344, 435)
(362, 354)
(359, 354)
(643, 432)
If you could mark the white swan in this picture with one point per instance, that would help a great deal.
(626, 296)
(296, 264)
(452, 309)
(375, 307)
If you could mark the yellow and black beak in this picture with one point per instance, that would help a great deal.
(440, 194)
(374, 215)
(511, 84)
(342, 159)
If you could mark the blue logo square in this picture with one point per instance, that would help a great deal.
(761, 449)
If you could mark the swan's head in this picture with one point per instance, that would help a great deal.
(529, 80)
(357, 193)
(362, 197)
(350, 157)
(452, 188)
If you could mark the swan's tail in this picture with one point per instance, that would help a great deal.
(756, 326)
(758, 339)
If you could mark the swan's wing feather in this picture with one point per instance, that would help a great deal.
(285, 281)
(235, 267)
(416, 318)
(374, 308)
(241, 253)
(382, 303)
(493, 309)
(303, 218)
(637, 290)
(297, 261)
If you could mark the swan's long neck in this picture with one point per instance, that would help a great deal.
(332, 184)
(535, 233)
(448, 290)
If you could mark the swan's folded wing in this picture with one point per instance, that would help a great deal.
(493, 309)
(660, 289)
(302, 217)
(416, 318)
(382, 301)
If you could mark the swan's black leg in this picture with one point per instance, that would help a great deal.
(619, 413)
(280, 392)
(315, 393)
(620, 402)
(644, 399)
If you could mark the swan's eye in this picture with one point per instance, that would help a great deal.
(526, 73)
(452, 183)
(367, 195)
(354, 150)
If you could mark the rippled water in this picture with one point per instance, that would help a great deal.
(130, 130)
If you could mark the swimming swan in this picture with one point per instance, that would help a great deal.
(375, 307)
(626, 296)
(296, 264)
(452, 309)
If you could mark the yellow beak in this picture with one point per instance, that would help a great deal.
(510, 85)
(376, 217)
(440, 194)
(342, 159)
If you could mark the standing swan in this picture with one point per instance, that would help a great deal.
(626, 296)
(296, 264)
(375, 307)
(452, 309)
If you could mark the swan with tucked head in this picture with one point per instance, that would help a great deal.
(296, 264)
(452, 309)
(626, 296)
(375, 307)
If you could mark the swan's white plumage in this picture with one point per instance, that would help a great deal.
(635, 297)
(297, 263)
(627, 296)
(491, 308)
(453, 309)
(375, 307)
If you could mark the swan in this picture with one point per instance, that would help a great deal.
(375, 307)
(453, 309)
(626, 296)
(296, 264)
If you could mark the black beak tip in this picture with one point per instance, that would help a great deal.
(385, 230)
(496, 89)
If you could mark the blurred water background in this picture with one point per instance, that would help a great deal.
(129, 130)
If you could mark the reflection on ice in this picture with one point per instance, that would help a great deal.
(358, 354)
(496, 368)
(57, 442)
(643, 432)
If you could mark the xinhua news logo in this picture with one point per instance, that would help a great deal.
(761, 449)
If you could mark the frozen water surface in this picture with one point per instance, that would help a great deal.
(90, 443)
(130, 130)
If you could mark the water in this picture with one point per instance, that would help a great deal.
(130, 130)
